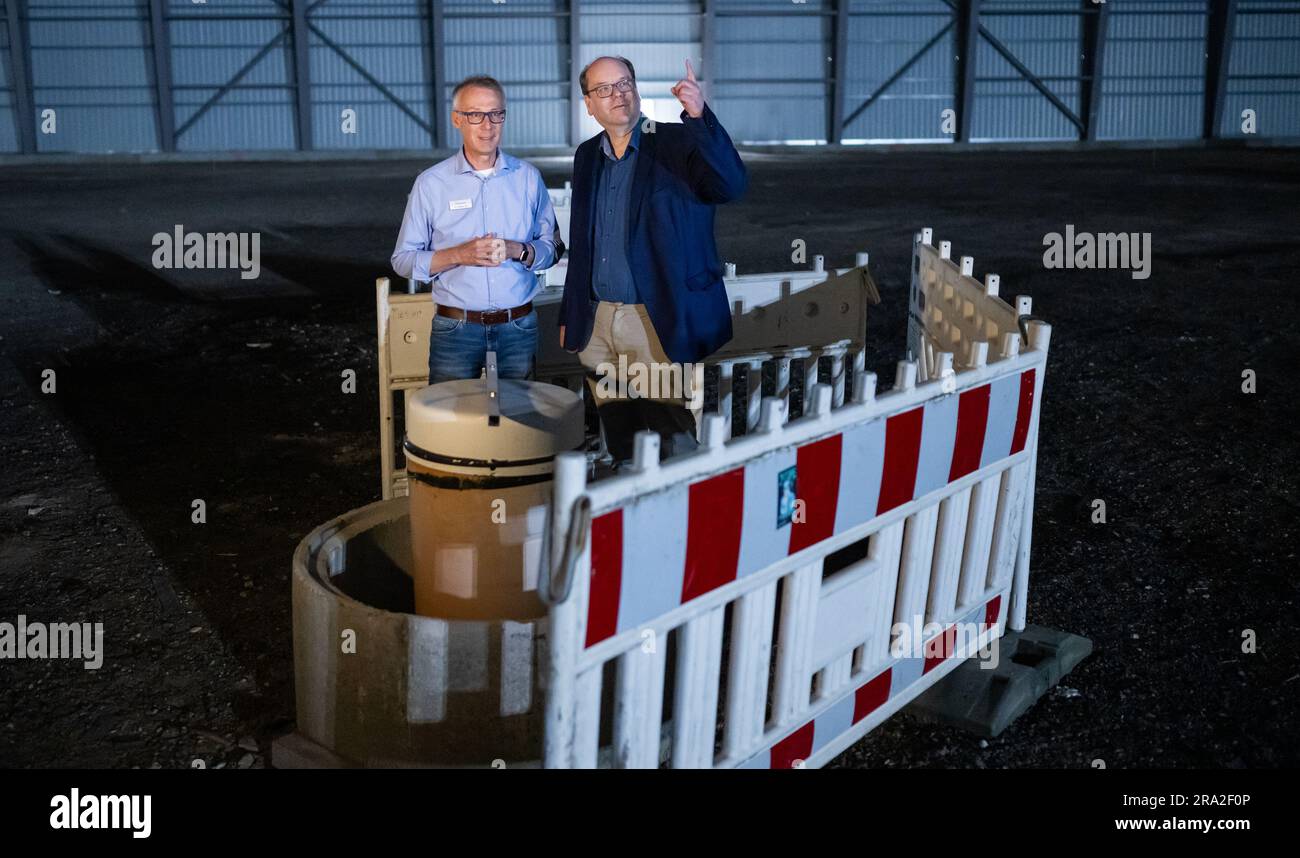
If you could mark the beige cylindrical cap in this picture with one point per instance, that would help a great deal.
(448, 426)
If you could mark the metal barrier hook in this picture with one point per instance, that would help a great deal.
(557, 587)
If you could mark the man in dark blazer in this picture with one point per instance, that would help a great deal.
(645, 280)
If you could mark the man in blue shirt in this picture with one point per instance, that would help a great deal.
(479, 225)
(644, 288)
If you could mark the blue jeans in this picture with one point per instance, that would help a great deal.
(457, 347)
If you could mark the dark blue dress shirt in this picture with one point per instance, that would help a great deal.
(611, 276)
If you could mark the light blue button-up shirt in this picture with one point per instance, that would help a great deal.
(450, 204)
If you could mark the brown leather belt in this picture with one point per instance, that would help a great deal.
(488, 317)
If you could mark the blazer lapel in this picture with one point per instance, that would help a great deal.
(642, 180)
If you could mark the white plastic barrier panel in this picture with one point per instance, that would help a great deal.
(686, 559)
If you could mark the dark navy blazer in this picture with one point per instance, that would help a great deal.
(682, 172)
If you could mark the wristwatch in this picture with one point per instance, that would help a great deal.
(523, 253)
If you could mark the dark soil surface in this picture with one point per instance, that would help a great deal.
(173, 386)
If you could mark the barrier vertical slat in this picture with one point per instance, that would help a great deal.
(884, 550)
(753, 394)
(586, 721)
(386, 443)
(1006, 533)
(783, 381)
(810, 379)
(794, 651)
(835, 676)
(638, 706)
(1040, 337)
(695, 695)
(915, 569)
(837, 380)
(949, 540)
(751, 652)
(726, 380)
(979, 535)
(567, 618)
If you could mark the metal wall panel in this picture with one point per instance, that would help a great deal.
(1044, 35)
(1264, 71)
(883, 36)
(525, 46)
(8, 106)
(1154, 71)
(772, 70)
(210, 44)
(90, 65)
(768, 76)
(390, 41)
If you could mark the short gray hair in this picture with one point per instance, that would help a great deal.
(482, 81)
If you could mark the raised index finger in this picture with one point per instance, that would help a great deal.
(690, 72)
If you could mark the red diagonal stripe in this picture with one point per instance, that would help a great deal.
(606, 576)
(716, 510)
(817, 484)
(871, 696)
(972, 421)
(902, 448)
(939, 648)
(991, 611)
(1024, 411)
(796, 746)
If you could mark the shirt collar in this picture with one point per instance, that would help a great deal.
(634, 142)
(505, 162)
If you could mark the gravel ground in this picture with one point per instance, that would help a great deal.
(181, 385)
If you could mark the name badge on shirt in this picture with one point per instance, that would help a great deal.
(457, 205)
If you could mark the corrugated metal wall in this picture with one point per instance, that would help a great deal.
(8, 108)
(769, 72)
(90, 65)
(883, 36)
(211, 45)
(525, 45)
(1044, 35)
(772, 66)
(1264, 75)
(1153, 83)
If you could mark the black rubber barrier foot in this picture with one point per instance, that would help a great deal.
(984, 701)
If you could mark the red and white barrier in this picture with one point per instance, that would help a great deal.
(933, 477)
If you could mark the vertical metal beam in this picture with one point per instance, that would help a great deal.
(839, 71)
(20, 65)
(162, 75)
(438, 75)
(968, 28)
(708, 52)
(302, 74)
(1219, 28)
(575, 60)
(1095, 19)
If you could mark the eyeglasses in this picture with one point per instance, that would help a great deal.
(475, 117)
(605, 90)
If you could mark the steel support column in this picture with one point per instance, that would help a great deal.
(162, 75)
(839, 71)
(1219, 29)
(575, 66)
(20, 65)
(1096, 18)
(707, 51)
(438, 106)
(301, 75)
(968, 28)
